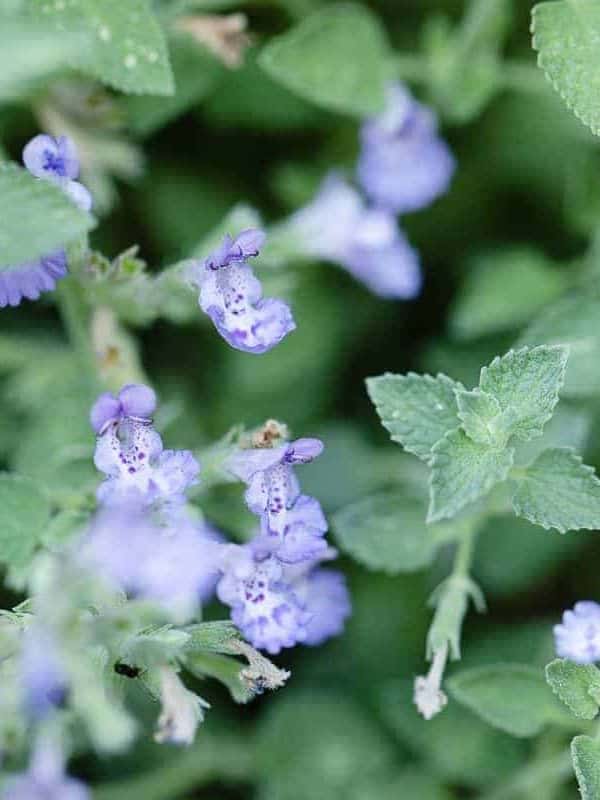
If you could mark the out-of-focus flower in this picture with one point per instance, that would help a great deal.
(174, 565)
(403, 165)
(231, 295)
(224, 35)
(43, 677)
(578, 637)
(338, 226)
(45, 779)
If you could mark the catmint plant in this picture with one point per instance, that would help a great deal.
(218, 210)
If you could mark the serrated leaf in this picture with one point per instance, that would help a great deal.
(559, 491)
(526, 384)
(317, 59)
(196, 72)
(463, 471)
(480, 416)
(565, 35)
(36, 217)
(502, 290)
(386, 532)
(585, 753)
(126, 45)
(418, 410)
(572, 321)
(512, 697)
(577, 685)
(24, 513)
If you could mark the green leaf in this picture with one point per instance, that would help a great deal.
(126, 46)
(585, 753)
(503, 290)
(211, 637)
(565, 35)
(36, 217)
(572, 321)
(526, 384)
(30, 52)
(196, 73)
(559, 491)
(24, 513)
(577, 685)
(417, 410)
(318, 59)
(480, 416)
(222, 668)
(512, 697)
(463, 471)
(386, 532)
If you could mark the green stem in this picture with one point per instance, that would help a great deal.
(463, 556)
(76, 321)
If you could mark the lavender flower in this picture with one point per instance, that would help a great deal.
(263, 606)
(272, 485)
(130, 452)
(174, 565)
(403, 165)
(578, 638)
(337, 226)
(231, 295)
(45, 779)
(302, 537)
(134, 400)
(277, 605)
(54, 160)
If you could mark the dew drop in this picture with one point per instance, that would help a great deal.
(104, 33)
(130, 61)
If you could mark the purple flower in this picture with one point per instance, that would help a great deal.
(403, 165)
(55, 160)
(43, 675)
(277, 605)
(45, 779)
(303, 536)
(231, 295)
(578, 638)
(272, 485)
(134, 400)
(327, 601)
(263, 605)
(130, 452)
(339, 227)
(174, 565)
(31, 278)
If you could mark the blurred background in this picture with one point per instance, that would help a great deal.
(516, 231)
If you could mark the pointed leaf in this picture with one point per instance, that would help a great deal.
(417, 410)
(480, 416)
(317, 59)
(462, 471)
(24, 513)
(559, 491)
(565, 35)
(526, 384)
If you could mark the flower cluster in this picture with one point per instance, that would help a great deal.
(403, 166)
(171, 557)
(53, 160)
(278, 593)
(231, 295)
(578, 637)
